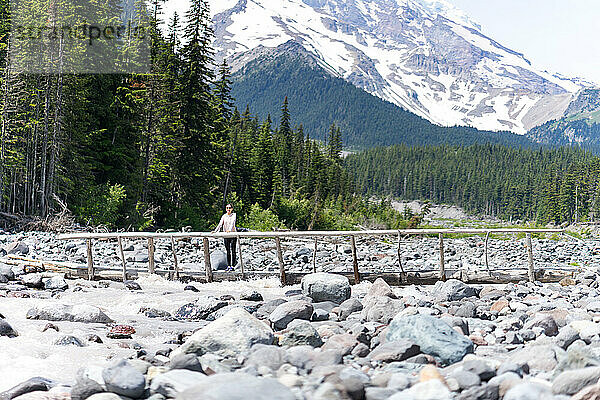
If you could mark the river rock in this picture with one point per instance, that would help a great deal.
(453, 290)
(6, 272)
(398, 350)
(348, 307)
(7, 330)
(380, 309)
(123, 379)
(251, 295)
(571, 382)
(232, 334)
(200, 309)
(30, 385)
(68, 340)
(220, 387)
(300, 333)
(262, 355)
(322, 286)
(538, 357)
(218, 260)
(381, 288)
(173, 382)
(287, 312)
(34, 281)
(64, 312)
(528, 391)
(17, 247)
(544, 321)
(55, 283)
(433, 336)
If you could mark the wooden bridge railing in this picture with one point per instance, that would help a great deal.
(205, 236)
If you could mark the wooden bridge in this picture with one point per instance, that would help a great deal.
(400, 277)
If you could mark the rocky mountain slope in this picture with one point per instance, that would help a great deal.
(425, 56)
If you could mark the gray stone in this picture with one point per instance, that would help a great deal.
(84, 388)
(232, 334)
(268, 356)
(287, 312)
(465, 379)
(268, 307)
(483, 392)
(544, 321)
(251, 295)
(466, 310)
(399, 381)
(186, 361)
(30, 385)
(348, 307)
(63, 312)
(378, 393)
(344, 343)
(237, 386)
(7, 330)
(68, 340)
(398, 350)
(34, 281)
(17, 248)
(428, 390)
(528, 391)
(566, 336)
(326, 287)
(7, 272)
(571, 382)
(381, 309)
(218, 260)
(173, 382)
(200, 309)
(301, 332)
(319, 315)
(433, 336)
(123, 379)
(380, 288)
(55, 283)
(453, 290)
(481, 368)
(539, 357)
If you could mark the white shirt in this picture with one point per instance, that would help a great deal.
(227, 223)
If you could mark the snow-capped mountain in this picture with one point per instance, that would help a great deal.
(426, 56)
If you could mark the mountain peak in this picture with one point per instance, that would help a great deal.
(426, 56)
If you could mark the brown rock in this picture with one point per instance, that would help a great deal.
(344, 343)
(499, 305)
(478, 340)
(567, 282)
(430, 372)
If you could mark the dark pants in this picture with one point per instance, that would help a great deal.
(230, 247)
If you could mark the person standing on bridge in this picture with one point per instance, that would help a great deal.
(227, 224)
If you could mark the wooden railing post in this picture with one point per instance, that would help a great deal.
(207, 266)
(531, 271)
(487, 237)
(90, 260)
(442, 266)
(315, 257)
(151, 255)
(281, 264)
(175, 263)
(239, 240)
(123, 263)
(403, 277)
(355, 260)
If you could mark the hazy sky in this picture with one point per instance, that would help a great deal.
(557, 35)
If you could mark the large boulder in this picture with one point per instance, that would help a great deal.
(300, 333)
(218, 260)
(322, 286)
(234, 333)
(287, 312)
(234, 386)
(434, 337)
(64, 312)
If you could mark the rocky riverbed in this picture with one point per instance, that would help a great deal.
(323, 339)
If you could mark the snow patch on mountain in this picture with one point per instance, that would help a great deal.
(426, 56)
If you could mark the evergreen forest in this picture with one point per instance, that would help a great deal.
(167, 148)
(546, 185)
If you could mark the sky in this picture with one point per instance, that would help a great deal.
(555, 35)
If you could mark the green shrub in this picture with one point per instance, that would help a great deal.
(262, 220)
